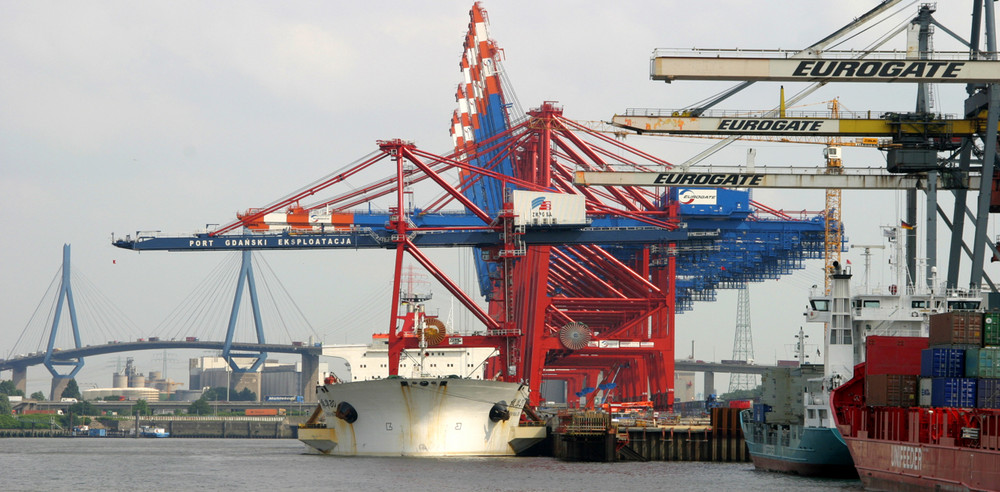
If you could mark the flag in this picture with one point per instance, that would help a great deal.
(848, 262)
(906, 226)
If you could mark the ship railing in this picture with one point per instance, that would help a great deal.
(532, 423)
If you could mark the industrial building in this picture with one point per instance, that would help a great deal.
(273, 378)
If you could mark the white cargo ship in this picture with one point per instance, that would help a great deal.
(432, 412)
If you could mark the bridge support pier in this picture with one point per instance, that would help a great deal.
(709, 384)
(310, 377)
(20, 378)
(59, 384)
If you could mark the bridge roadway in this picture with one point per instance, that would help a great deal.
(114, 347)
(708, 369)
(310, 358)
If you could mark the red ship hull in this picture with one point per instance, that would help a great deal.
(903, 466)
(918, 448)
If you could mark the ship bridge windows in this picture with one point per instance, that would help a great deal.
(866, 303)
(963, 305)
(840, 337)
(820, 304)
(920, 304)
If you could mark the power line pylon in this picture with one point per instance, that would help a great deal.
(743, 344)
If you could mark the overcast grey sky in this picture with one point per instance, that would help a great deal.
(125, 116)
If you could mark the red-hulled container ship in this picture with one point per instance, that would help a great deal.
(941, 432)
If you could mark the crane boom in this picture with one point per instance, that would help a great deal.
(739, 179)
(758, 65)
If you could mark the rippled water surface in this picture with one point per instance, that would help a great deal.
(245, 464)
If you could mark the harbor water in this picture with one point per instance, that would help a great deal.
(86, 464)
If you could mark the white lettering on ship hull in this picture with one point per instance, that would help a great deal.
(907, 457)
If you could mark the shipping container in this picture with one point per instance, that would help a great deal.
(891, 390)
(191, 339)
(533, 208)
(988, 393)
(760, 411)
(956, 327)
(894, 355)
(942, 363)
(741, 404)
(264, 412)
(982, 362)
(991, 330)
(924, 392)
(953, 392)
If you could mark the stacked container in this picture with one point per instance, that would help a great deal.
(892, 365)
(988, 393)
(991, 330)
(891, 390)
(982, 362)
(953, 392)
(893, 355)
(957, 328)
(942, 363)
(975, 339)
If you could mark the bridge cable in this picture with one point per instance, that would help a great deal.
(35, 313)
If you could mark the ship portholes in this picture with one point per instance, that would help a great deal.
(499, 411)
(346, 412)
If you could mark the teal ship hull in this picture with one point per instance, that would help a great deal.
(796, 449)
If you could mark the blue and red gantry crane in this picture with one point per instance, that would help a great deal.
(582, 284)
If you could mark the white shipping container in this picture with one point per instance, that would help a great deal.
(542, 209)
(924, 392)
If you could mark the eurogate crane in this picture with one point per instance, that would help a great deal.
(916, 137)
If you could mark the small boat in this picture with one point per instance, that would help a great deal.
(150, 431)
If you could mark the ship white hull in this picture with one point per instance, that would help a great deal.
(417, 417)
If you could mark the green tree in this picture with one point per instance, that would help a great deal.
(215, 394)
(72, 390)
(200, 407)
(244, 395)
(5, 408)
(83, 408)
(142, 407)
(753, 394)
(38, 395)
(8, 388)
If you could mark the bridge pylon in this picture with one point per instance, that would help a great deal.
(65, 295)
(246, 278)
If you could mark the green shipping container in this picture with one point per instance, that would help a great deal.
(991, 329)
(982, 362)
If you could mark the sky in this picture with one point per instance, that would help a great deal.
(117, 117)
